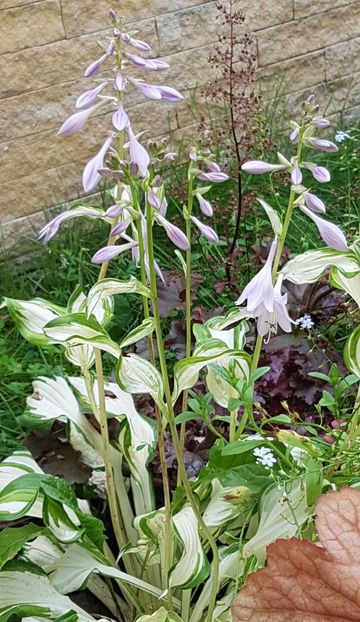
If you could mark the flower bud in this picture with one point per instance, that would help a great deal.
(214, 177)
(110, 48)
(322, 123)
(140, 45)
(257, 167)
(91, 175)
(204, 205)
(322, 145)
(109, 252)
(294, 136)
(321, 174)
(314, 203)
(296, 175)
(88, 98)
(169, 94)
(120, 228)
(112, 15)
(330, 233)
(114, 211)
(119, 82)
(205, 230)
(174, 233)
(120, 118)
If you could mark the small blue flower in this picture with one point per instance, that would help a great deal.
(340, 136)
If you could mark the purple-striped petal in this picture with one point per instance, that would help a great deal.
(91, 175)
(110, 48)
(204, 205)
(138, 154)
(294, 136)
(314, 203)
(296, 175)
(169, 94)
(174, 234)
(76, 122)
(120, 118)
(322, 145)
(321, 174)
(205, 230)
(214, 177)
(120, 228)
(114, 211)
(258, 167)
(119, 82)
(95, 67)
(330, 233)
(139, 45)
(88, 99)
(109, 252)
(322, 123)
(147, 90)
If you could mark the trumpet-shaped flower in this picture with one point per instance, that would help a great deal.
(76, 121)
(91, 176)
(95, 67)
(258, 167)
(138, 154)
(259, 293)
(88, 99)
(120, 119)
(52, 227)
(267, 322)
(330, 233)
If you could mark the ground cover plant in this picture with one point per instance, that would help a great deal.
(161, 524)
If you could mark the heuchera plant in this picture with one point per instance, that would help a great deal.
(186, 560)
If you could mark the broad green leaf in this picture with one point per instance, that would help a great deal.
(136, 375)
(144, 330)
(28, 594)
(106, 288)
(76, 329)
(193, 566)
(351, 285)
(241, 446)
(31, 316)
(309, 266)
(352, 352)
(273, 217)
(12, 540)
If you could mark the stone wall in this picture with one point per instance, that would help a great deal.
(45, 45)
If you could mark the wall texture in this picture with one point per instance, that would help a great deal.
(45, 45)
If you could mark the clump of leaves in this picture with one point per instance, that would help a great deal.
(310, 582)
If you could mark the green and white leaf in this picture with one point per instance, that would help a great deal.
(136, 375)
(102, 311)
(107, 288)
(219, 511)
(308, 267)
(350, 285)
(27, 594)
(76, 329)
(193, 566)
(273, 217)
(145, 329)
(54, 400)
(31, 316)
(161, 615)
(352, 352)
(22, 501)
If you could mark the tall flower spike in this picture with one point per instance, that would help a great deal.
(91, 175)
(330, 233)
(138, 154)
(259, 293)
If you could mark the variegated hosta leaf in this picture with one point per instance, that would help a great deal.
(273, 217)
(211, 351)
(222, 322)
(193, 566)
(76, 329)
(53, 400)
(102, 309)
(144, 330)
(161, 615)
(31, 316)
(352, 352)
(11, 468)
(137, 439)
(107, 288)
(73, 569)
(350, 285)
(309, 266)
(26, 594)
(226, 504)
(136, 375)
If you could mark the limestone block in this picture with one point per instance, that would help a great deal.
(89, 15)
(293, 75)
(306, 35)
(199, 26)
(342, 58)
(303, 8)
(33, 24)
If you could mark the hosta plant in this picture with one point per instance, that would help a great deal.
(187, 559)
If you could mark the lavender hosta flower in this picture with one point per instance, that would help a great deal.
(119, 82)
(76, 121)
(52, 227)
(147, 90)
(169, 94)
(149, 64)
(120, 228)
(110, 252)
(322, 145)
(88, 99)
(267, 322)
(110, 48)
(95, 67)
(294, 136)
(174, 234)
(296, 174)
(259, 293)
(114, 211)
(91, 176)
(205, 230)
(204, 205)
(120, 119)
(258, 167)
(215, 177)
(154, 199)
(138, 154)
(212, 166)
(320, 173)
(139, 45)
(322, 123)
(330, 233)
(313, 202)
(112, 15)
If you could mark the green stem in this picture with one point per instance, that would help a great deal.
(233, 421)
(171, 419)
(354, 425)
